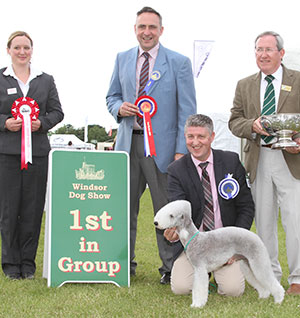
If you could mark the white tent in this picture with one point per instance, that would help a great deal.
(69, 142)
(224, 139)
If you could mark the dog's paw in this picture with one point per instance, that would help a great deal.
(279, 296)
(197, 305)
(193, 305)
(263, 293)
(278, 300)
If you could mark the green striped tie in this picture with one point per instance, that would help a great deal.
(269, 103)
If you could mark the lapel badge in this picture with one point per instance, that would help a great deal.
(155, 75)
(286, 88)
(229, 187)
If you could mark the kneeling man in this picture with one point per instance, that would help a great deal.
(214, 182)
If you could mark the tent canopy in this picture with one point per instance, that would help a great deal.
(69, 141)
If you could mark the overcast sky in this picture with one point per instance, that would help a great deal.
(77, 42)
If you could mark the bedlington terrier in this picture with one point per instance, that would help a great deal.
(208, 251)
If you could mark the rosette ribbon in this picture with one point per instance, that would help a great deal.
(229, 187)
(27, 109)
(147, 107)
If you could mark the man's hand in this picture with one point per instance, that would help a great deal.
(178, 156)
(231, 260)
(128, 109)
(257, 127)
(234, 258)
(294, 150)
(13, 124)
(171, 235)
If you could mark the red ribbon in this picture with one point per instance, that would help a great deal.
(147, 107)
(27, 109)
(149, 132)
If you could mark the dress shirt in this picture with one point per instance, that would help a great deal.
(277, 85)
(23, 86)
(211, 173)
(140, 60)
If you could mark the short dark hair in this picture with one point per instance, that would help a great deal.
(199, 120)
(279, 39)
(150, 10)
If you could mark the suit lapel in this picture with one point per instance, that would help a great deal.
(287, 79)
(194, 176)
(14, 84)
(160, 66)
(33, 86)
(219, 174)
(255, 94)
(131, 69)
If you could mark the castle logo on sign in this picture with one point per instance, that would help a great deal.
(88, 172)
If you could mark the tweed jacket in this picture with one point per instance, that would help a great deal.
(246, 108)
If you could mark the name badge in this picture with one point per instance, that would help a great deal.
(11, 91)
(286, 88)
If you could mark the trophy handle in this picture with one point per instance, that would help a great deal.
(267, 125)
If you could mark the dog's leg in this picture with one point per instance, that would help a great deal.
(277, 291)
(200, 287)
(249, 276)
(264, 274)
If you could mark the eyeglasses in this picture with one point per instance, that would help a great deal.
(260, 50)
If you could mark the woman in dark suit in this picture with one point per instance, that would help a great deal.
(22, 191)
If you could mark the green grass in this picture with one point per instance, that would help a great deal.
(145, 297)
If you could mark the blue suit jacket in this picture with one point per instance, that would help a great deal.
(174, 93)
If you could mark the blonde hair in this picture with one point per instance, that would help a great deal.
(18, 33)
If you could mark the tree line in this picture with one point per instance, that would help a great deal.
(96, 133)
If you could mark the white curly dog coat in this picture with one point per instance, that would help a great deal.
(208, 251)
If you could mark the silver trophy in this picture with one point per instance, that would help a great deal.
(282, 126)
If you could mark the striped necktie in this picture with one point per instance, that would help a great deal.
(208, 216)
(144, 75)
(269, 104)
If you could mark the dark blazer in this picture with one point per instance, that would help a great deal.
(184, 184)
(43, 91)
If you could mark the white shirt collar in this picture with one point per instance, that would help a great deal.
(33, 73)
(277, 75)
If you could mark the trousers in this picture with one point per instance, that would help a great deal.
(22, 202)
(229, 278)
(143, 172)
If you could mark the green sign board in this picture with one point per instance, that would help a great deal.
(88, 227)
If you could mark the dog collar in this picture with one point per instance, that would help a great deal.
(187, 244)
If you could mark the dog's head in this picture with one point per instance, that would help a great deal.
(173, 214)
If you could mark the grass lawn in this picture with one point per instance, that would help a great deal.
(145, 297)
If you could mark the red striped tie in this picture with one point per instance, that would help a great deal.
(144, 75)
(208, 217)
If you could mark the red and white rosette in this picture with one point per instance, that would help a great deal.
(27, 109)
(147, 107)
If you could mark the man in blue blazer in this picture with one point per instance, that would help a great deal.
(174, 93)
